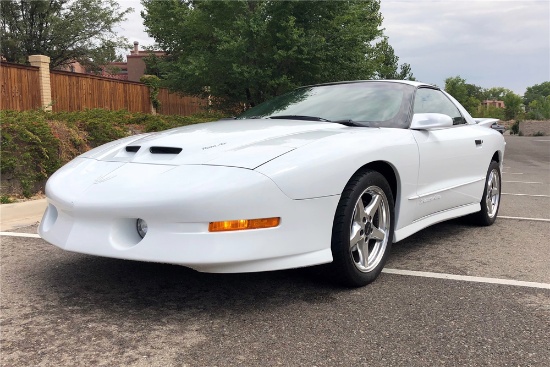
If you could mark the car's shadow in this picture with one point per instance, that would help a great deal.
(119, 286)
(433, 235)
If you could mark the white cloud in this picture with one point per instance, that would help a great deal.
(489, 43)
(133, 27)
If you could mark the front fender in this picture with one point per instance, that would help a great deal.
(323, 168)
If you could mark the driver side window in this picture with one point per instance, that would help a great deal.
(434, 101)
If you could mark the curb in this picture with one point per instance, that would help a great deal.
(21, 214)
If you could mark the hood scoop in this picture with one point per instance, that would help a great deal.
(154, 150)
(165, 150)
(132, 148)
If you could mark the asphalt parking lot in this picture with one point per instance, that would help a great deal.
(65, 309)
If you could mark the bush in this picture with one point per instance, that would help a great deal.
(5, 199)
(30, 151)
(35, 144)
(538, 133)
(514, 129)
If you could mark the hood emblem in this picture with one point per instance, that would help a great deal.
(103, 178)
(213, 146)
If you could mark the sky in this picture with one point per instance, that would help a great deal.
(497, 43)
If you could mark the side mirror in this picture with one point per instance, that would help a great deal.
(426, 121)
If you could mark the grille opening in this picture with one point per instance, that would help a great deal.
(165, 150)
(132, 148)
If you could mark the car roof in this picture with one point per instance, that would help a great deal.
(409, 82)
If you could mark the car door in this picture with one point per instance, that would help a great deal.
(449, 174)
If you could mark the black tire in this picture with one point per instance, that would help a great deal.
(350, 266)
(489, 204)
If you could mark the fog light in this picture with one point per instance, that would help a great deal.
(240, 224)
(141, 227)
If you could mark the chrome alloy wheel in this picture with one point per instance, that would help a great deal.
(493, 193)
(370, 225)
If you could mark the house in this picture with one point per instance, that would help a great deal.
(135, 65)
(494, 103)
(115, 70)
(133, 69)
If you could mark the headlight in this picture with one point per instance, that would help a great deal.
(141, 227)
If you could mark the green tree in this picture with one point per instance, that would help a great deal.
(495, 93)
(388, 67)
(539, 109)
(490, 111)
(513, 106)
(535, 92)
(475, 91)
(456, 87)
(467, 94)
(64, 30)
(244, 52)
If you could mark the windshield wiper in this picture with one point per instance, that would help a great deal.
(298, 117)
(348, 122)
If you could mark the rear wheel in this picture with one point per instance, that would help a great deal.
(362, 229)
(490, 201)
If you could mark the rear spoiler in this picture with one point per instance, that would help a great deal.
(485, 121)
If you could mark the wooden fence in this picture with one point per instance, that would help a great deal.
(19, 89)
(75, 92)
(176, 104)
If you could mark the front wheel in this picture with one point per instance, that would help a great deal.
(362, 230)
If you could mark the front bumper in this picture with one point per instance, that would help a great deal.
(93, 208)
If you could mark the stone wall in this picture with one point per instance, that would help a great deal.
(531, 127)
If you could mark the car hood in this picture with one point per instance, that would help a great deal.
(239, 143)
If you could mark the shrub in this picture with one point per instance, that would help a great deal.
(514, 129)
(538, 133)
(30, 151)
(35, 144)
(153, 82)
(5, 199)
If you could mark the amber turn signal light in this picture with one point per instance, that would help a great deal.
(242, 224)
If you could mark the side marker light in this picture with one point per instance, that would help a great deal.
(243, 224)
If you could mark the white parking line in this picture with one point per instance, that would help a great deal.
(541, 140)
(525, 218)
(466, 278)
(19, 234)
(537, 195)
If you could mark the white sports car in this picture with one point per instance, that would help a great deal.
(330, 173)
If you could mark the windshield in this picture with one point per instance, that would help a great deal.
(376, 104)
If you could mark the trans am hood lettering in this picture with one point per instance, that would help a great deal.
(244, 143)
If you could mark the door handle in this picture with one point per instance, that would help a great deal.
(479, 142)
